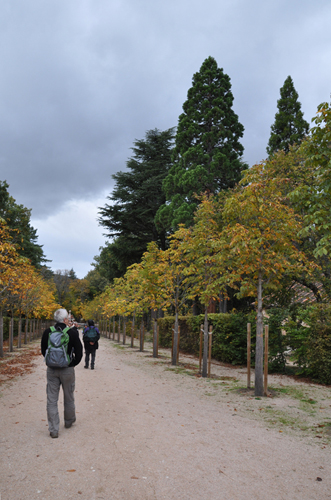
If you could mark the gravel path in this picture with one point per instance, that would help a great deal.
(145, 431)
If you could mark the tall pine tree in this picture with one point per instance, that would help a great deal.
(289, 127)
(207, 155)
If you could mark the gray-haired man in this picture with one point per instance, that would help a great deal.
(62, 376)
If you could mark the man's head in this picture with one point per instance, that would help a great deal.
(61, 315)
(90, 322)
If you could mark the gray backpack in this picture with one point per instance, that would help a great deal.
(57, 352)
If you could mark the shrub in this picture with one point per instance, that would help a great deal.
(309, 333)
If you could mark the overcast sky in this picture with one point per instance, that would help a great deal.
(80, 80)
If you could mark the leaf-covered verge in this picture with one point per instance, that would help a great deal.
(18, 363)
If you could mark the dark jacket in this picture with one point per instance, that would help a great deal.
(91, 347)
(75, 348)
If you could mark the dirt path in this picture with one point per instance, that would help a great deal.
(146, 431)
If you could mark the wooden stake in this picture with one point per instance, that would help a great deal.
(209, 350)
(266, 353)
(248, 355)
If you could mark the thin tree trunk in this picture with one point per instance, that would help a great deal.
(142, 334)
(155, 339)
(132, 329)
(119, 329)
(259, 342)
(11, 334)
(205, 345)
(26, 330)
(1, 334)
(19, 338)
(124, 330)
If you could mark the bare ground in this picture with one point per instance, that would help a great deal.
(146, 430)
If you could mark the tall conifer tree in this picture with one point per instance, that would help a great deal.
(136, 197)
(207, 155)
(289, 127)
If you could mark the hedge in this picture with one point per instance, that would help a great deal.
(229, 341)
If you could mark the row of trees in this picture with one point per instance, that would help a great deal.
(23, 290)
(269, 232)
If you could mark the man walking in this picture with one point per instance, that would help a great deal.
(91, 335)
(62, 376)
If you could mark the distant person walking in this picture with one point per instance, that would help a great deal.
(91, 335)
(63, 350)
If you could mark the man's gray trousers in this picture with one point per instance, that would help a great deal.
(55, 378)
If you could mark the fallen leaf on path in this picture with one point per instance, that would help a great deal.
(71, 470)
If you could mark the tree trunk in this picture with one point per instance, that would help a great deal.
(124, 329)
(19, 338)
(174, 347)
(1, 334)
(11, 334)
(26, 330)
(132, 329)
(155, 339)
(205, 345)
(119, 330)
(223, 306)
(259, 341)
(142, 333)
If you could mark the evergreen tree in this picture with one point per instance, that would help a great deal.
(136, 197)
(207, 155)
(289, 127)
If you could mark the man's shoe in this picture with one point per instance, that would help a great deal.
(67, 426)
(85, 366)
(92, 367)
(54, 434)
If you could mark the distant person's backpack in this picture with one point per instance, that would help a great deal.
(90, 335)
(57, 352)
